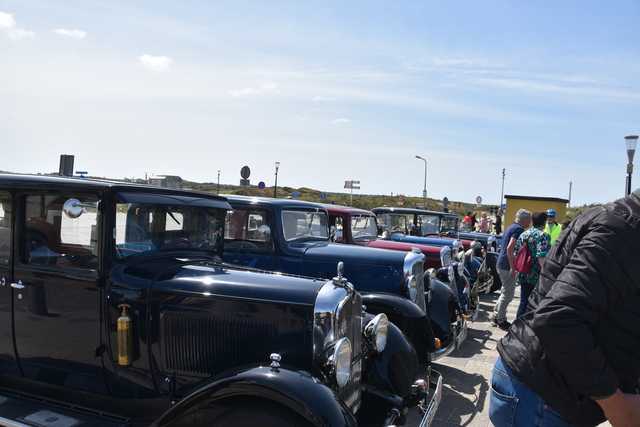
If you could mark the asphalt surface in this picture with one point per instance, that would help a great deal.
(467, 372)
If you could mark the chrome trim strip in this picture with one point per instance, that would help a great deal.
(11, 423)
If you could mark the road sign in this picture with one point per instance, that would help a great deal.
(261, 185)
(504, 206)
(245, 172)
(350, 184)
(323, 196)
(479, 199)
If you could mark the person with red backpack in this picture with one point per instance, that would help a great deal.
(539, 243)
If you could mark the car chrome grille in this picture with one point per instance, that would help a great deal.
(350, 311)
(418, 271)
(197, 342)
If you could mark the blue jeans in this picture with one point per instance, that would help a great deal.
(525, 292)
(513, 404)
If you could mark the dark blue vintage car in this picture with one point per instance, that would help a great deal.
(290, 236)
(116, 310)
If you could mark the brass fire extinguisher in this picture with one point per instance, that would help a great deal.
(125, 337)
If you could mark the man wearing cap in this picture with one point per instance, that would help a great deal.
(553, 229)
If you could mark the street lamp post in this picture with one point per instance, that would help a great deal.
(631, 141)
(275, 187)
(424, 191)
(218, 182)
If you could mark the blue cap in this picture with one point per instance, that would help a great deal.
(551, 212)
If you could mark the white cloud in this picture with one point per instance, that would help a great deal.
(342, 121)
(9, 26)
(266, 87)
(302, 118)
(157, 64)
(77, 34)
(322, 98)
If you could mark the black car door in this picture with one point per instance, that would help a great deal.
(56, 294)
(8, 365)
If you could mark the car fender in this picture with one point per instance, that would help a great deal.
(298, 391)
(407, 316)
(397, 344)
(442, 308)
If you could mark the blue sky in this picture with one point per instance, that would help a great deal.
(333, 90)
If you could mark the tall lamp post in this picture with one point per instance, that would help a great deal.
(218, 182)
(631, 141)
(424, 191)
(275, 187)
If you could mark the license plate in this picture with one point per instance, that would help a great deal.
(430, 413)
(463, 335)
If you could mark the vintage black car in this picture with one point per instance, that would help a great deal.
(116, 310)
(293, 237)
(447, 225)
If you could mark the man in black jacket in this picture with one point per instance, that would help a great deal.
(574, 357)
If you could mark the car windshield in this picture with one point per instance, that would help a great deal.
(150, 227)
(449, 223)
(393, 222)
(299, 224)
(364, 227)
(429, 224)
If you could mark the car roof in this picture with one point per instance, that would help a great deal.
(61, 182)
(354, 211)
(278, 203)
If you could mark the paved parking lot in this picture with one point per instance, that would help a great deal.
(467, 372)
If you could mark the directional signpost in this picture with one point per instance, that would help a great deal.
(350, 184)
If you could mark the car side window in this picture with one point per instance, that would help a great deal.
(244, 229)
(53, 239)
(5, 228)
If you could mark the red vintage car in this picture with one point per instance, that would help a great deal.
(359, 227)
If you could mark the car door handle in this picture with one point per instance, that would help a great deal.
(18, 285)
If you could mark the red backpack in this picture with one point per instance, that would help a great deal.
(523, 260)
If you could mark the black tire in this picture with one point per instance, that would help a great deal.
(263, 415)
(400, 376)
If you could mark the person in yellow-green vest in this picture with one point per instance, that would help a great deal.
(553, 229)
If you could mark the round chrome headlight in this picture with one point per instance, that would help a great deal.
(460, 268)
(451, 274)
(375, 332)
(456, 247)
(341, 361)
(412, 288)
(431, 276)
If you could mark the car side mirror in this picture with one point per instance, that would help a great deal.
(73, 208)
(265, 232)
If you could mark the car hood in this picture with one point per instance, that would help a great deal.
(220, 280)
(435, 241)
(353, 253)
(406, 246)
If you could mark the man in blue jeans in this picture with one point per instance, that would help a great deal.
(504, 265)
(573, 358)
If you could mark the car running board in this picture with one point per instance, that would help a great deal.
(18, 411)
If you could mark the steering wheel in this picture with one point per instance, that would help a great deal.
(177, 242)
